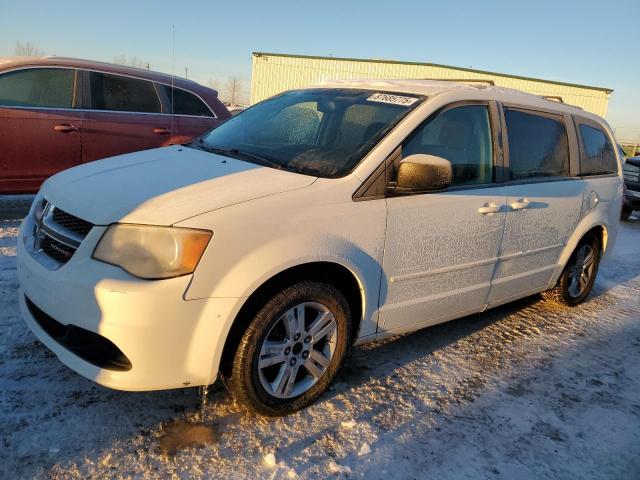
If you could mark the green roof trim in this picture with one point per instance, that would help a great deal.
(461, 69)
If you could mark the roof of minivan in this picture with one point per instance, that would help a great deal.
(13, 62)
(431, 88)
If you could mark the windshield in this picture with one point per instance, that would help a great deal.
(321, 132)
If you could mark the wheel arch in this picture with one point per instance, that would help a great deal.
(601, 232)
(336, 274)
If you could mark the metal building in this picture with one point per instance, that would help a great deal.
(273, 73)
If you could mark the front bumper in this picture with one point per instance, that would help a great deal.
(170, 342)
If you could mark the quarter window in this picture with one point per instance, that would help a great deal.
(38, 87)
(538, 146)
(461, 135)
(120, 93)
(597, 153)
(186, 103)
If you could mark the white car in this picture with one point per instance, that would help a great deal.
(315, 220)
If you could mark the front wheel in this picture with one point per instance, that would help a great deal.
(292, 350)
(625, 213)
(579, 275)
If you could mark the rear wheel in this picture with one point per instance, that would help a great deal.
(292, 350)
(626, 213)
(578, 277)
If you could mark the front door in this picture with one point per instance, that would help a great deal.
(40, 126)
(124, 115)
(543, 206)
(441, 248)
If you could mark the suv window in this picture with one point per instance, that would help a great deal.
(186, 103)
(461, 135)
(38, 87)
(120, 93)
(597, 153)
(538, 145)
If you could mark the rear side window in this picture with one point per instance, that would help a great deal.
(186, 103)
(597, 156)
(38, 87)
(538, 145)
(461, 135)
(119, 93)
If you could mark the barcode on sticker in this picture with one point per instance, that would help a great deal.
(392, 99)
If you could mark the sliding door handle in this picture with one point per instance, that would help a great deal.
(488, 208)
(519, 204)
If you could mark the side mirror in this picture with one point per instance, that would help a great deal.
(422, 173)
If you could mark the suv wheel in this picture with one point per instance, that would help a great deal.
(292, 350)
(579, 275)
(626, 213)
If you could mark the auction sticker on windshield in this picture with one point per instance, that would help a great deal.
(392, 99)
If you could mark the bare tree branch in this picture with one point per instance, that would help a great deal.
(234, 92)
(27, 49)
(214, 83)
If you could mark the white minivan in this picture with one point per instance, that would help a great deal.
(315, 220)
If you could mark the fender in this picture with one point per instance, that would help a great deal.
(258, 240)
(596, 217)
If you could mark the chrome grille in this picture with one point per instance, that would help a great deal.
(70, 222)
(56, 250)
(58, 234)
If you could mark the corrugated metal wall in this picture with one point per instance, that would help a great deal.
(274, 73)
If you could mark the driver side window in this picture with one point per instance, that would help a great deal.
(461, 135)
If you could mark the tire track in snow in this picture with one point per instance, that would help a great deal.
(514, 392)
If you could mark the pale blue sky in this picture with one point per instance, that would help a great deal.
(587, 42)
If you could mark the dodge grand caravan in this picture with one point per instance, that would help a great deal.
(315, 220)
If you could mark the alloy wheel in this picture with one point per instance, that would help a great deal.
(298, 350)
(581, 271)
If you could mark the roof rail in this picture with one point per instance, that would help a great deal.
(463, 80)
(100, 62)
(555, 98)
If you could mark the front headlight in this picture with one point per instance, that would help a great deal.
(152, 252)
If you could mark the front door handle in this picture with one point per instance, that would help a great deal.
(519, 204)
(161, 131)
(488, 208)
(64, 128)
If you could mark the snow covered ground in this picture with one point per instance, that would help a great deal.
(528, 390)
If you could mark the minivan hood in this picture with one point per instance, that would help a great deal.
(163, 186)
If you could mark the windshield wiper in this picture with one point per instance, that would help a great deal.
(241, 155)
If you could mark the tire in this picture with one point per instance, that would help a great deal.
(570, 290)
(625, 213)
(276, 349)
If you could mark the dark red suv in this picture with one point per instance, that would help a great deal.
(56, 113)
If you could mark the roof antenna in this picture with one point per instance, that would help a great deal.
(173, 57)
